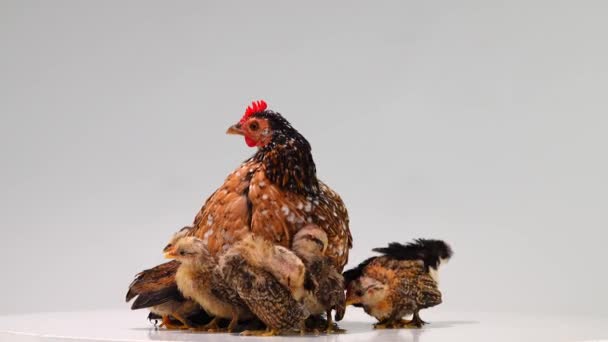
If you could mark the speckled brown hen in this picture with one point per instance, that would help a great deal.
(310, 244)
(399, 283)
(274, 193)
(155, 289)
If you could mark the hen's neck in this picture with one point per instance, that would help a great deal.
(289, 164)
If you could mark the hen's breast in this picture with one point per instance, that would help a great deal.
(249, 201)
(225, 217)
(278, 215)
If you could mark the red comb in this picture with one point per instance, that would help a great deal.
(255, 107)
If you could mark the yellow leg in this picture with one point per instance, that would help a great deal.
(416, 321)
(209, 327)
(267, 332)
(233, 322)
(331, 328)
(168, 325)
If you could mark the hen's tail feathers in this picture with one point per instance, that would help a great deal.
(149, 299)
(154, 286)
(431, 252)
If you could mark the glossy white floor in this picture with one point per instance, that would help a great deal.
(471, 327)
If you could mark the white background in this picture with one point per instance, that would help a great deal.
(481, 123)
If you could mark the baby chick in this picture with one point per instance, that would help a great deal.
(310, 244)
(398, 283)
(155, 289)
(270, 280)
(198, 278)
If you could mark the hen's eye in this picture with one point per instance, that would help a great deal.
(254, 126)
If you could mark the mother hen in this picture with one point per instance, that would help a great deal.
(274, 193)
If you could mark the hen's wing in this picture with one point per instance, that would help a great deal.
(149, 299)
(226, 215)
(155, 286)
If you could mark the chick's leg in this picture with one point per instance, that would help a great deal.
(233, 322)
(267, 332)
(331, 326)
(185, 322)
(210, 327)
(169, 325)
(416, 321)
(391, 324)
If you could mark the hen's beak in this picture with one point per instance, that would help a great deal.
(235, 129)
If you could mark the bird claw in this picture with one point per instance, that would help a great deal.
(166, 323)
(211, 327)
(268, 332)
(334, 329)
(400, 324)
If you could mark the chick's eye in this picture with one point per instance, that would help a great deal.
(182, 253)
(254, 126)
(359, 293)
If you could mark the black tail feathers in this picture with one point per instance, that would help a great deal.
(432, 252)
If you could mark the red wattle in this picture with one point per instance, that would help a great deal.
(250, 142)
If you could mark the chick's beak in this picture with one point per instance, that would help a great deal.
(235, 129)
(350, 301)
(169, 252)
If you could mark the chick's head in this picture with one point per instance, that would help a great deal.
(177, 236)
(188, 250)
(310, 240)
(366, 291)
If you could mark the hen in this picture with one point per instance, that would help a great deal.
(274, 193)
(399, 283)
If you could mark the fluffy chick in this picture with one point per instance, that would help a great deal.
(270, 280)
(156, 290)
(310, 244)
(398, 283)
(198, 278)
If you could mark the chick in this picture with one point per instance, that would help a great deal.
(270, 280)
(400, 282)
(198, 278)
(156, 290)
(310, 244)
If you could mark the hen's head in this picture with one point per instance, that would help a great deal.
(260, 126)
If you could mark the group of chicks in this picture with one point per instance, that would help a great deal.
(289, 289)
(253, 279)
(266, 251)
